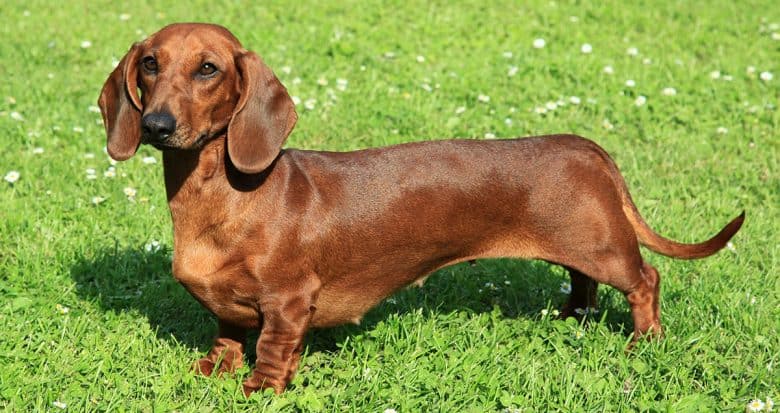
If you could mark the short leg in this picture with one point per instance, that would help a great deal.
(280, 344)
(227, 354)
(644, 301)
(636, 279)
(583, 297)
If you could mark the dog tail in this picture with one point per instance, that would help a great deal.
(658, 243)
(670, 248)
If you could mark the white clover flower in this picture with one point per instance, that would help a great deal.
(722, 130)
(97, 200)
(37, 151)
(390, 411)
(296, 100)
(507, 54)
(490, 136)
(574, 100)
(93, 109)
(86, 44)
(483, 98)
(541, 110)
(512, 71)
(78, 129)
(555, 313)
(149, 160)
(630, 83)
(152, 246)
(16, 116)
(551, 106)
(420, 59)
(669, 91)
(545, 312)
(296, 81)
(632, 51)
(755, 406)
(322, 81)
(110, 172)
(566, 288)
(60, 405)
(341, 84)
(460, 109)
(750, 70)
(607, 124)
(586, 48)
(426, 87)
(62, 309)
(26, 13)
(715, 74)
(286, 70)
(647, 61)
(124, 17)
(130, 192)
(640, 100)
(508, 122)
(775, 36)
(539, 43)
(766, 76)
(12, 176)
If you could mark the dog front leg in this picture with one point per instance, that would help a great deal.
(280, 343)
(227, 354)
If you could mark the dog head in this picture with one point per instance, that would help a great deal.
(189, 83)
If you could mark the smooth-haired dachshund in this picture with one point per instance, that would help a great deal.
(281, 240)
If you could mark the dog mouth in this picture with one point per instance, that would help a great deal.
(177, 142)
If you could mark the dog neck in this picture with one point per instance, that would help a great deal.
(188, 171)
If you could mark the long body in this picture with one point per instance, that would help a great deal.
(366, 223)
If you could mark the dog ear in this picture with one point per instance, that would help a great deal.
(121, 107)
(263, 118)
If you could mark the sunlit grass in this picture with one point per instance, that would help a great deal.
(683, 95)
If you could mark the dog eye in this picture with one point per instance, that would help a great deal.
(207, 69)
(150, 64)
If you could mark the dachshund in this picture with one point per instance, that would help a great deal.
(282, 240)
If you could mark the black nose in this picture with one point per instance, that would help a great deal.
(157, 127)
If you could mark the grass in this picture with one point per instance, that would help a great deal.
(92, 320)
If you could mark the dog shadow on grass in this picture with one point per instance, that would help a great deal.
(140, 281)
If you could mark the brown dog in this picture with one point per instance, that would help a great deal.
(283, 240)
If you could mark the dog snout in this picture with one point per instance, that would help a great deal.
(158, 127)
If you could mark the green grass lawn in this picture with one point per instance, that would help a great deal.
(678, 92)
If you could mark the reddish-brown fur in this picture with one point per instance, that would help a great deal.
(283, 240)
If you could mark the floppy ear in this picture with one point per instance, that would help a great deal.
(263, 118)
(121, 107)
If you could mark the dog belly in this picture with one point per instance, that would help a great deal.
(346, 299)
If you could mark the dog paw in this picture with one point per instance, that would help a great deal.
(203, 367)
(261, 382)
